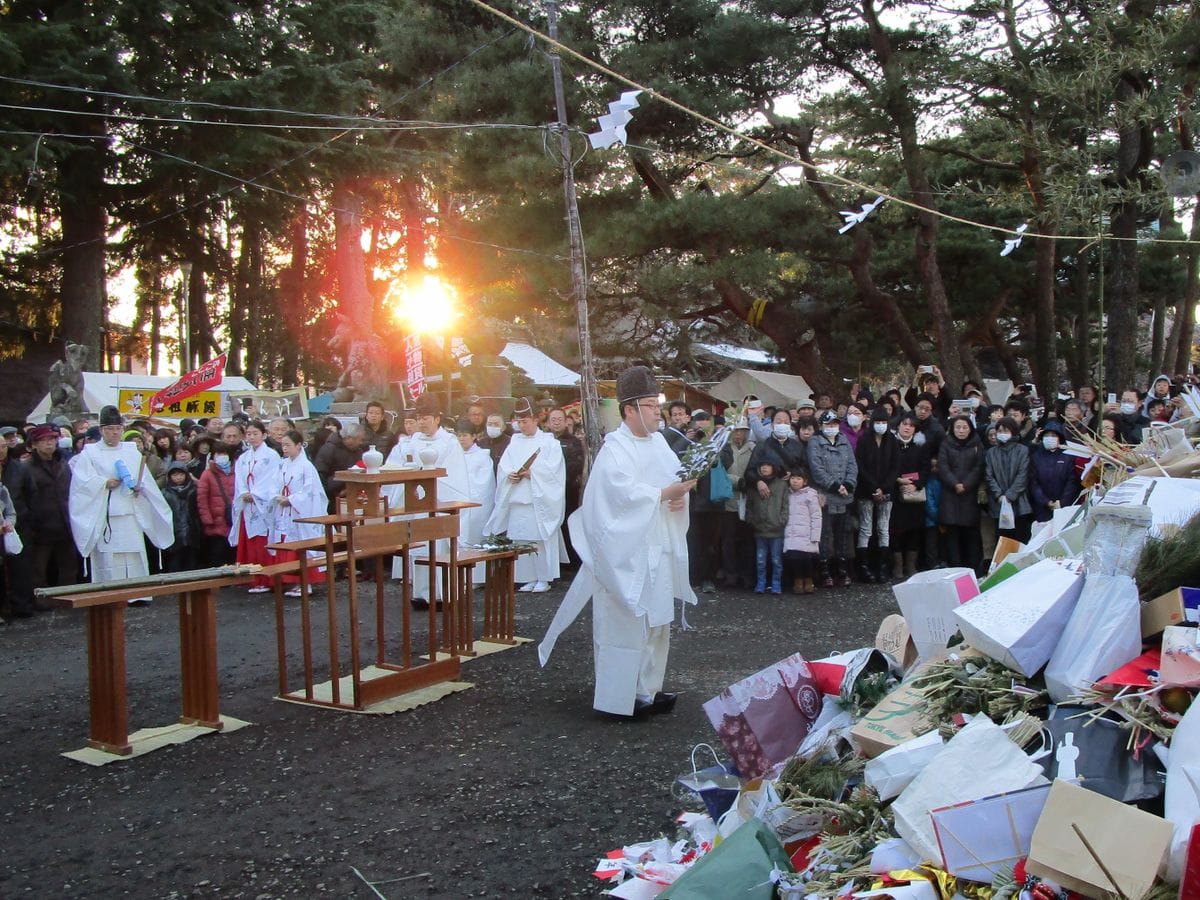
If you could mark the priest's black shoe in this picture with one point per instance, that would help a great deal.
(664, 702)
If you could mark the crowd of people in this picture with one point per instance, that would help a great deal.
(103, 500)
(808, 495)
(824, 491)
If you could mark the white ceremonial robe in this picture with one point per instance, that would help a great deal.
(532, 509)
(110, 527)
(257, 473)
(300, 483)
(455, 485)
(633, 565)
(483, 491)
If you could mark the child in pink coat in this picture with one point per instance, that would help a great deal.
(802, 534)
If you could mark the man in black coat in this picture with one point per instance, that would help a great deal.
(572, 449)
(336, 457)
(54, 559)
(18, 569)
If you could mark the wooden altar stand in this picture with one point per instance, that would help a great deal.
(107, 695)
(366, 529)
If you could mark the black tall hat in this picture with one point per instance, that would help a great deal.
(636, 382)
(110, 415)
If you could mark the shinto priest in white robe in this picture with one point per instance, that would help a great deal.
(532, 509)
(455, 485)
(109, 526)
(634, 564)
(483, 491)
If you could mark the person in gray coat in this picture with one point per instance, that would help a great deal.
(834, 473)
(960, 469)
(1007, 466)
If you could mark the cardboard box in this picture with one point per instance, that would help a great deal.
(897, 717)
(1173, 608)
(1130, 842)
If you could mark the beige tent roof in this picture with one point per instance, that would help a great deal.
(773, 388)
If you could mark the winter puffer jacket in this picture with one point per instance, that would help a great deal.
(832, 464)
(768, 517)
(214, 500)
(803, 529)
(1052, 476)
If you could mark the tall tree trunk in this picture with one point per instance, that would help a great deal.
(83, 221)
(1045, 328)
(1121, 303)
(293, 299)
(898, 104)
(354, 299)
(1082, 372)
(250, 264)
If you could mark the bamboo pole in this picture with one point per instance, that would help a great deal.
(147, 581)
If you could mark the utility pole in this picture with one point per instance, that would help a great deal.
(587, 372)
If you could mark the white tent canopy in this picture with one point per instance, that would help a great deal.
(541, 369)
(104, 388)
(772, 388)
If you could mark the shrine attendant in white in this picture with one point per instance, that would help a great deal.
(632, 544)
(115, 504)
(483, 490)
(256, 484)
(300, 496)
(531, 495)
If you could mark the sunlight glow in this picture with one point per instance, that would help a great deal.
(425, 305)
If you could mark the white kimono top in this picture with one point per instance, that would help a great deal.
(114, 521)
(483, 491)
(531, 509)
(632, 548)
(256, 472)
(301, 485)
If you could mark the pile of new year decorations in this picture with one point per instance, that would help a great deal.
(1029, 735)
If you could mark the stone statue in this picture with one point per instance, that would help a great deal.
(365, 375)
(66, 383)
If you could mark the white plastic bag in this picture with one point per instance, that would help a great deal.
(1103, 633)
(1007, 520)
(12, 544)
(894, 770)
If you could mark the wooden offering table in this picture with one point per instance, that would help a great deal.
(372, 530)
(109, 706)
(499, 595)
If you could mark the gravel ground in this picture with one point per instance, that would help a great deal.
(512, 788)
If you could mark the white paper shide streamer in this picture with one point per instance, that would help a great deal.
(612, 126)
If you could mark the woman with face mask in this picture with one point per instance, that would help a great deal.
(495, 439)
(960, 469)
(1053, 478)
(782, 450)
(834, 473)
(877, 472)
(1006, 468)
(214, 503)
(907, 525)
(854, 425)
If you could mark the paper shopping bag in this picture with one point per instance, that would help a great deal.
(928, 600)
(1019, 622)
(1104, 632)
(1129, 842)
(894, 640)
(977, 762)
(740, 866)
(1103, 761)
(763, 719)
(981, 838)
(893, 770)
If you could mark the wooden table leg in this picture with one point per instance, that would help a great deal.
(198, 658)
(109, 707)
(466, 618)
